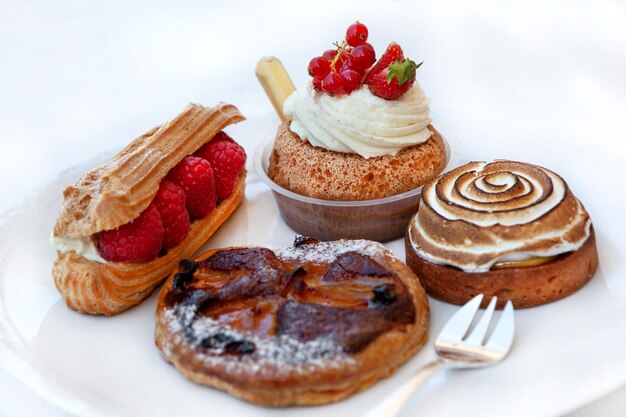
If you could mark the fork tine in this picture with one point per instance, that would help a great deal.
(477, 336)
(502, 337)
(456, 328)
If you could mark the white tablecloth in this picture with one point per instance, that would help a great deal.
(79, 78)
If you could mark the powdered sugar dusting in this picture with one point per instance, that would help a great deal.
(209, 340)
(326, 252)
(279, 355)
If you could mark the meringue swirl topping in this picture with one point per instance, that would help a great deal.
(482, 213)
(359, 122)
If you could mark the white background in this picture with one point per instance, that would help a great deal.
(78, 78)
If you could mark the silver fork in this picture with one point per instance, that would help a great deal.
(456, 348)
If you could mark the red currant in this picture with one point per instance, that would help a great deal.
(351, 80)
(319, 67)
(341, 61)
(356, 34)
(348, 65)
(332, 84)
(363, 57)
(330, 54)
(317, 84)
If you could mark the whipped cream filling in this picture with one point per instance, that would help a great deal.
(359, 122)
(83, 246)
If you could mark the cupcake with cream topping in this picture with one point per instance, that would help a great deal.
(357, 131)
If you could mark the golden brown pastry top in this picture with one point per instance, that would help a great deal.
(254, 310)
(480, 213)
(117, 192)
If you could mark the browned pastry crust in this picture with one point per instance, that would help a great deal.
(315, 172)
(370, 337)
(524, 286)
(116, 193)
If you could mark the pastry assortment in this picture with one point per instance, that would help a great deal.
(125, 225)
(506, 229)
(308, 324)
(321, 320)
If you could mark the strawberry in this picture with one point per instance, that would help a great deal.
(395, 80)
(392, 53)
(137, 241)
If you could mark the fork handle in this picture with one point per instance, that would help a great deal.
(391, 406)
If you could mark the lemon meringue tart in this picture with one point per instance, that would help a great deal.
(506, 229)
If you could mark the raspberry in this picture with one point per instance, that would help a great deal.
(170, 201)
(227, 159)
(195, 176)
(137, 241)
(221, 135)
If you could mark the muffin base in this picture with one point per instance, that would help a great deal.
(308, 170)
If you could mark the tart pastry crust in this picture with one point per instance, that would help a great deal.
(525, 286)
(305, 325)
(116, 193)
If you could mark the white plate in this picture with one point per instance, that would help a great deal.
(566, 353)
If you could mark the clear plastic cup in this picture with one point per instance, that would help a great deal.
(381, 219)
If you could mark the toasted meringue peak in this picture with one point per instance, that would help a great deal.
(480, 213)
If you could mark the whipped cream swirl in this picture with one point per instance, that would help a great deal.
(479, 214)
(359, 122)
